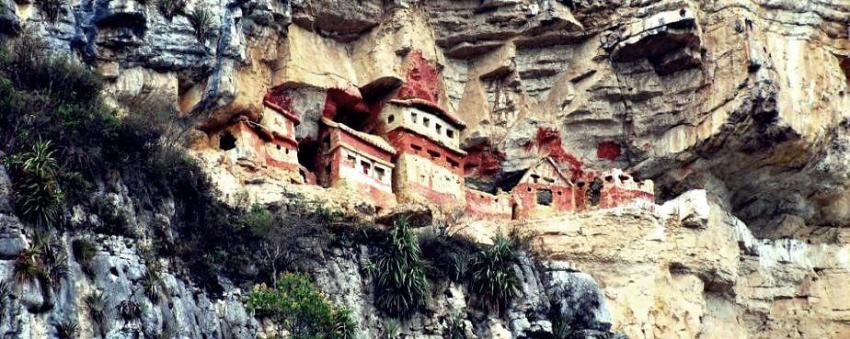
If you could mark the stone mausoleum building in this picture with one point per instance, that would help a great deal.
(352, 159)
(429, 165)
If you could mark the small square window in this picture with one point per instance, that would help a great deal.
(380, 172)
(413, 117)
(390, 119)
(426, 122)
(450, 133)
(439, 128)
(366, 167)
(351, 159)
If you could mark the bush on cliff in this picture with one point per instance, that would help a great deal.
(492, 275)
(447, 256)
(297, 305)
(400, 281)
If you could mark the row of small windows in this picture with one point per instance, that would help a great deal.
(435, 155)
(427, 123)
(366, 167)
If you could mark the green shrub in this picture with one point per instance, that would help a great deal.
(68, 329)
(258, 219)
(300, 308)
(400, 281)
(492, 274)
(114, 221)
(202, 22)
(84, 251)
(447, 256)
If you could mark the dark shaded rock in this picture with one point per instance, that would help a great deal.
(416, 215)
(343, 20)
(12, 240)
(9, 23)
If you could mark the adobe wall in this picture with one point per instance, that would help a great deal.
(357, 165)
(410, 143)
(525, 198)
(485, 206)
(418, 180)
(422, 122)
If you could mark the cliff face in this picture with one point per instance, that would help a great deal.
(746, 99)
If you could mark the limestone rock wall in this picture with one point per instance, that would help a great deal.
(690, 270)
(747, 99)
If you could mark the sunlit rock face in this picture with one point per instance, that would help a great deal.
(745, 99)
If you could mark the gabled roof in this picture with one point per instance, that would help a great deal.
(431, 107)
(370, 139)
(285, 112)
(515, 178)
(554, 165)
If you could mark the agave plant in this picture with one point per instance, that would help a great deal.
(39, 198)
(457, 329)
(68, 329)
(400, 273)
(27, 268)
(493, 277)
(392, 329)
(202, 22)
(344, 327)
(96, 303)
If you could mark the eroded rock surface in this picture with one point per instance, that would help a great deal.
(746, 99)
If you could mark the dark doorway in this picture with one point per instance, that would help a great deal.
(594, 193)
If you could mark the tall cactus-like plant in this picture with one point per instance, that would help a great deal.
(400, 269)
(202, 21)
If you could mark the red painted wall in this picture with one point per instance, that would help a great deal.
(486, 206)
(608, 150)
(483, 161)
(616, 196)
(547, 142)
(378, 196)
(404, 142)
(423, 79)
(525, 198)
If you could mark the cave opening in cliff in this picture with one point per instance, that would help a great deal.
(227, 142)
(308, 153)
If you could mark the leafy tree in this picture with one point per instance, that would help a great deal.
(301, 308)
